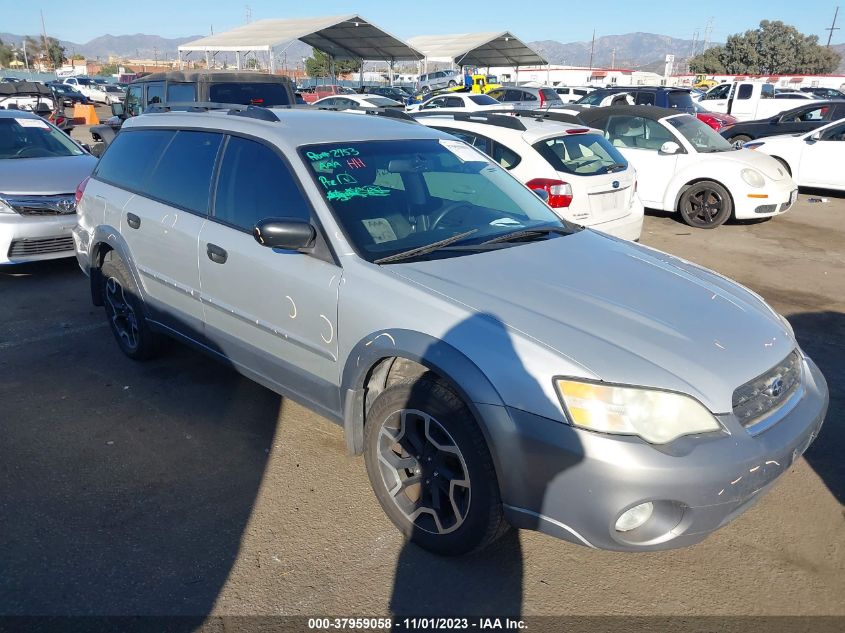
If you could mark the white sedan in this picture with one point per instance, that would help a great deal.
(471, 102)
(684, 166)
(353, 101)
(814, 159)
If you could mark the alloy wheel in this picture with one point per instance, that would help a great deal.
(423, 471)
(122, 315)
(704, 206)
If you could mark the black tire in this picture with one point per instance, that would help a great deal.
(451, 449)
(125, 311)
(741, 138)
(452, 84)
(705, 205)
(425, 89)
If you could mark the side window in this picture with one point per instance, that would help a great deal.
(131, 157)
(767, 91)
(836, 133)
(435, 103)
(528, 96)
(181, 93)
(644, 98)
(255, 184)
(454, 102)
(507, 158)
(745, 91)
(498, 95)
(719, 92)
(155, 92)
(637, 132)
(134, 100)
(183, 174)
(811, 114)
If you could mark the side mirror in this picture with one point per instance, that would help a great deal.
(670, 147)
(542, 194)
(815, 136)
(117, 109)
(285, 233)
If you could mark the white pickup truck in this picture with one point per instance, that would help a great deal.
(86, 86)
(746, 100)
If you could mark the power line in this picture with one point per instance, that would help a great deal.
(832, 27)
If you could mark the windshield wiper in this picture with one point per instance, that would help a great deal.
(525, 233)
(615, 167)
(424, 250)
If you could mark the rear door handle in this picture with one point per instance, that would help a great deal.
(216, 254)
(133, 221)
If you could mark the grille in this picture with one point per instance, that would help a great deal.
(42, 246)
(766, 208)
(767, 392)
(64, 204)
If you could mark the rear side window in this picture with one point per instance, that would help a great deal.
(767, 91)
(181, 93)
(131, 157)
(745, 91)
(183, 174)
(255, 184)
(506, 157)
(680, 100)
(260, 94)
(583, 154)
(644, 98)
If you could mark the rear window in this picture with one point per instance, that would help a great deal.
(680, 100)
(261, 94)
(582, 154)
(483, 100)
(549, 94)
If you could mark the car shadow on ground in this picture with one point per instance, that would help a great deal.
(125, 488)
(822, 336)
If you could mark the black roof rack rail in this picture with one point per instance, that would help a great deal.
(551, 115)
(390, 112)
(501, 118)
(236, 109)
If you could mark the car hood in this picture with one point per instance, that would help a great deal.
(44, 176)
(764, 163)
(622, 312)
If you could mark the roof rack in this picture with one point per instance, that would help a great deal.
(551, 115)
(389, 112)
(234, 109)
(501, 118)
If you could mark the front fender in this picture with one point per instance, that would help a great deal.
(452, 365)
(701, 170)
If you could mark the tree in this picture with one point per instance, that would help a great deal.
(77, 56)
(55, 52)
(319, 65)
(108, 70)
(774, 48)
(6, 54)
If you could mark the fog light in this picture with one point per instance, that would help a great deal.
(634, 517)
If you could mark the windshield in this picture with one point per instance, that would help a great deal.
(594, 98)
(84, 82)
(33, 138)
(702, 137)
(393, 196)
(261, 94)
(583, 154)
(112, 89)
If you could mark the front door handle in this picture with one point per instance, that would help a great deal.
(216, 254)
(133, 221)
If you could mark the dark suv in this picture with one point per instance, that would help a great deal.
(673, 98)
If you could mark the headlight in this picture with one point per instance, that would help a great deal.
(5, 207)
(752, 177)
(656, 416)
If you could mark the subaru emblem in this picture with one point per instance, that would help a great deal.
(66, 205)
(775, 387)
(616, 184)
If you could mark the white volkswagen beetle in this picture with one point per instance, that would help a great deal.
(684, 166)
(814, 159)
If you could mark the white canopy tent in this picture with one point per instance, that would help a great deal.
(341, 37)
(477, 49)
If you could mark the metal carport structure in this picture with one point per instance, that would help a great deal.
(477, 49)
(339, 36)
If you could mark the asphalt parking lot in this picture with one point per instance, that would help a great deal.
(177, 487)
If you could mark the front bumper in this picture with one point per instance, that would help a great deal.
(574, 484)
(33, 238)
(780, 199)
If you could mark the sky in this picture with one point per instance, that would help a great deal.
(530, 21)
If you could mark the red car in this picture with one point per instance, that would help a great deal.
(716, 120)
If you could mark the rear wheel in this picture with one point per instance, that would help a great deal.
(430, 468)
(452, 83)
(705, 205)
(125, 311)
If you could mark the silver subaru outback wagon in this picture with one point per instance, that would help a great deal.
(495, 365)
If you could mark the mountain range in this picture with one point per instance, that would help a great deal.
(640, 51)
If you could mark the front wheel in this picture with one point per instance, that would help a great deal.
(452, 84)
(705, 205)
(125, 311)
(430, 468)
